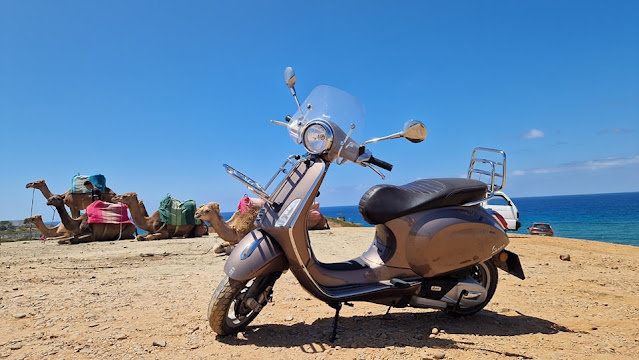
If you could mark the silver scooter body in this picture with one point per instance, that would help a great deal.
(434, 245)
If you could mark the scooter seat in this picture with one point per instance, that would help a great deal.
(382, 203)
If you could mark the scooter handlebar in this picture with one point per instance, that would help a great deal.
(381, 163)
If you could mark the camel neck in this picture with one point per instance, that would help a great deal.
(43, 228)
(222, 228)
(44, 189)
(138, 215)
(65, 218)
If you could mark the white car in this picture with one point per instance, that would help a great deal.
(502, 204)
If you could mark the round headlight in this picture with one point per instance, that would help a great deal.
(317, 138)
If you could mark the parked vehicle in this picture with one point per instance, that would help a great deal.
(435, 246)
(502, 204)
(541, 229)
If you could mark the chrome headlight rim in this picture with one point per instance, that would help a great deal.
(329, 137)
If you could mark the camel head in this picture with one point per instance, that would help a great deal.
(32, 219)
(205, 211)
(56, 200)
(126, 198)
(36, 184)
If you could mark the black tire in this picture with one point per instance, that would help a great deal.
(227, 312)
(485, 274)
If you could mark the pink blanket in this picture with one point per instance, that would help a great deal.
(247, 203)
(101, 212)
(314, 212)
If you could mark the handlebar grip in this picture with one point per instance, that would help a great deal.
(383, 164)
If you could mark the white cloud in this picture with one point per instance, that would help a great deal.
(534, 134)
(592, 165)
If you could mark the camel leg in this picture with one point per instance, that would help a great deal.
(163, 234)
(200, 230)
(62, 239)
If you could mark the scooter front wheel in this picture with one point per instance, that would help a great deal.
(235, 304)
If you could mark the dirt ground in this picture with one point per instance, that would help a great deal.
(139, 300)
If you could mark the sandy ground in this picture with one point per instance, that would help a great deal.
(113, 301)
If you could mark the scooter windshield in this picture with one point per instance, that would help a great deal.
(329, 104)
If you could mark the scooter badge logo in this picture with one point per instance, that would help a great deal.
(496, 249)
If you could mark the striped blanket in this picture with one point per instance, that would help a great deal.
(100, 212)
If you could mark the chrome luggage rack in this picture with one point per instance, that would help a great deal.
(254, 186)
(491, 163)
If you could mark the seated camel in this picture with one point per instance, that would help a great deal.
(75, 201)
(156, 229)
(52, 233)
(243, 221)
(83, 231)
(231, 231)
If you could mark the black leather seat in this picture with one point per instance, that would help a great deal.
(382, 203)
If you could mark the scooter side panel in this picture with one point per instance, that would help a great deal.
(255, 255)
(444, 240)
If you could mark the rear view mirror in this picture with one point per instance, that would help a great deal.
(414, 131)
(289, 77)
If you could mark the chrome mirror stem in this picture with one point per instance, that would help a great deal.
(391, 136)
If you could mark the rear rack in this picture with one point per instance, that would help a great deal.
(491, 163)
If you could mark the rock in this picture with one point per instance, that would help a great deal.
(289, 318)
(439, 355)
(5, 355)
(121, 337)
(93, 324)
(427, 357)
(19, 315)
(161, 343)
(146, 255)
(565, 257)
(16, 346)
(435, 331)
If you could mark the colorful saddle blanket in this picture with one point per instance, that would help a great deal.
(176, 212)
(77, 183)
(100, 212)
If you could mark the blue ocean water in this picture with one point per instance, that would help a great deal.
(603, 217)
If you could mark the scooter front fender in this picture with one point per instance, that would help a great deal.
(255, 255)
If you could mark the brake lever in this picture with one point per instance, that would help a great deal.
(374, 169)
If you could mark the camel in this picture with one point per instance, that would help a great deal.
(82, 231)
(231, 231)
(156, 228)
(52, 233)
(75, 201)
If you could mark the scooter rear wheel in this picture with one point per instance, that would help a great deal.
(228, 312)
(486, 275)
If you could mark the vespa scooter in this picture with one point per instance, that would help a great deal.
(434, 245)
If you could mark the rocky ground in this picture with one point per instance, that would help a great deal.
(126, 299)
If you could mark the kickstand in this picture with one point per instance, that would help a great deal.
(337, 307)
(388, 310)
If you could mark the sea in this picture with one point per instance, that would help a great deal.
(612, 218)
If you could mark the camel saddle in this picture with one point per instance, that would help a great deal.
(175, 212)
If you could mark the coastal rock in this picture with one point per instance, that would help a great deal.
(564, 257)
(439, 355)
(19, 315)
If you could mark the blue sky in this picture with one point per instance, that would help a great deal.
(157, 95)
